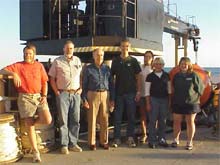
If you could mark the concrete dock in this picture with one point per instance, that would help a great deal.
(206, 151)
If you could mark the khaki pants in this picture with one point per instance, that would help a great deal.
(98, 111)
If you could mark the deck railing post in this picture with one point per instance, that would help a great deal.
(218, 119)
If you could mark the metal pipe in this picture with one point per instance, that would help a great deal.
(185, 44)
(68, 24)
(59, 21)
(54, 6)
(196, 57)
(125, 18)
(77, 21)
(218, 118)
(135, 17)
(50, 22)
(177, 39)
(94, 18)
(169, 4)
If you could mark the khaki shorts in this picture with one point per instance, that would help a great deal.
(29, 104)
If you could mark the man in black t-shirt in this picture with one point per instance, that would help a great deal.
(126, 71)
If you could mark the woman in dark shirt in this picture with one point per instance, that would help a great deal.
(188, 88)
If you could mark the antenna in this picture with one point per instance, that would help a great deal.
(168, 7)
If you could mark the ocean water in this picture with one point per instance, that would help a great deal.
(215, 71)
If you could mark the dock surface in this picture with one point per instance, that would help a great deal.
(206, 151)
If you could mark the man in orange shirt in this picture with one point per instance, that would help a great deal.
(30, 80)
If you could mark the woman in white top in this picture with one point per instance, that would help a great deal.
(146, 69)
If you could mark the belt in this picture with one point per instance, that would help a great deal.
(72, 91)
(101, 90)
(30, 95)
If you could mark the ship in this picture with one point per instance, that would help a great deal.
(102, 23)
(99, 23)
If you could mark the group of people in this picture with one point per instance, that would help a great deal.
(99, 88)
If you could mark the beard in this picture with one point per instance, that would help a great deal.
(69, 56)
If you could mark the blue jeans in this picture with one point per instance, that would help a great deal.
(127, 102)
(158, 113)
(68, 106)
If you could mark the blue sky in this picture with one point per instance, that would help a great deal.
(207, 19)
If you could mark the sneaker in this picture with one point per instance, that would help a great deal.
(64, 150)
(189, 146)
(131, 142)
(163, 143)
(175, 143)
(151, 145)
(75, 148)
(143, 139)
(116, 143)
(36, 157)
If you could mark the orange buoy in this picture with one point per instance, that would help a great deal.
(205, 78)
